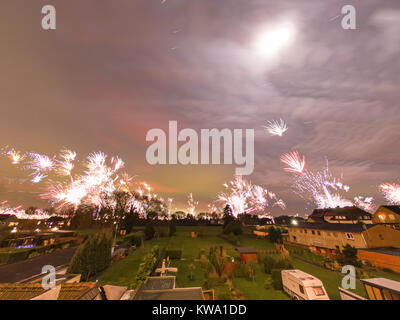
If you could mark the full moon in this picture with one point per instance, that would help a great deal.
(272, 41)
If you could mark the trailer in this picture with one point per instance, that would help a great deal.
(303, 286)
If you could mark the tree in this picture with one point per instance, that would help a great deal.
(274, 235)
(228, 215)
(130, 220)
(349, 255)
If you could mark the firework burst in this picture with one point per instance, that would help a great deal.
(391, 191)
(295, 162)
(244, 197)
(276, 128)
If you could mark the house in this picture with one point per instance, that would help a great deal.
(388, 216)
(8, 221)
(163, 288)
(382, 289)
(64, 291)
(332, 237)
(248, 255)
(383, 258)
(340, 215)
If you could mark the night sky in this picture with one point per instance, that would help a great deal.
(112, 70)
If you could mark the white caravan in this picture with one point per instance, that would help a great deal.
(303, 286)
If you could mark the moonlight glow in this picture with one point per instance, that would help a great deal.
(273, 40)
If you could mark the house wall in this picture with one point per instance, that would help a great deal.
(380, 236)
(325, 239)
(380, 260)
(387, 215)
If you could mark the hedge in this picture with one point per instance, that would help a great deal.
(93, 256)
(134, 239)
(147, 266)
(15, 255)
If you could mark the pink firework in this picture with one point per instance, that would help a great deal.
(296, 163)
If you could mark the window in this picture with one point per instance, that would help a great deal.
(301, 288)
(305, 231)
(319, 233)
(312, 231)
(381, 237)
(318, 291)
(349, 236)
(294, 238)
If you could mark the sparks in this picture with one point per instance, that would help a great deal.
(391, 191)
(296, 163)
(275, 128)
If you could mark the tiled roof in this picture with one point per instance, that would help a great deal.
(171, 294)
(349, 212)
(344, 227)
(20, 292)
(78, 291)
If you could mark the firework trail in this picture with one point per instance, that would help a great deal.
(296, 163)
(320, 187)
(191, 205)
(244, 197)
(323, 188)
(391, 191)
(275, 128)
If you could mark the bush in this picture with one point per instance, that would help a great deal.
(134, 239)
(174, 254)
(283, 264)
(93, 256)
(149, 231)
(146, 266)
(233, 227)
(240, 270)
(269, 264)
(276, 279)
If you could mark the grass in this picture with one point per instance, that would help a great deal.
(123, 272)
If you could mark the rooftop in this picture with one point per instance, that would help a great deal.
(163, 288)
(343, 227)
(383, 283)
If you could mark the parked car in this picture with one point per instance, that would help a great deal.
(303, 286)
